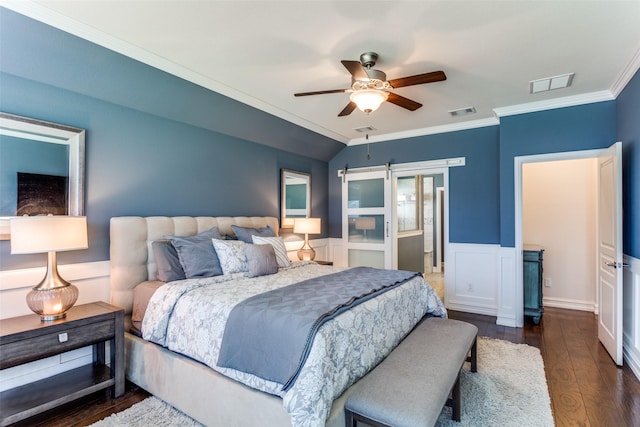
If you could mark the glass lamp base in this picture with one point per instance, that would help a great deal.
(306, 254)
(52, 304)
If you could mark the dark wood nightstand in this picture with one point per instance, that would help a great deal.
(25, 339)
(323, 262)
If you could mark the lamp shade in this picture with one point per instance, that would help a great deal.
(36, 234)
(366, 223)
(306, 226)
(369, 100)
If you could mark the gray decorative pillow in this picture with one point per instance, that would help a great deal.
(245, 233)
(278, 245)
(196, 254)
(167, 261)
(231, 255)
(261, 260)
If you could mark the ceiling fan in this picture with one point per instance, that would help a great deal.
(370, 88)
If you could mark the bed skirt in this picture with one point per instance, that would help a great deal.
(204, 394)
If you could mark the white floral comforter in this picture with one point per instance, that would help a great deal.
(189, 316)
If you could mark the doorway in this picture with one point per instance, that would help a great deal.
(419, 213)
(559, 216)
(608, 228)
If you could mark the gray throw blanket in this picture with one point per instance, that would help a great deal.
(270, 335)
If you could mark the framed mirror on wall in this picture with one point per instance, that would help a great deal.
(41, 169)
(295, 196)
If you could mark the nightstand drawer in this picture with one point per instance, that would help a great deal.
(49, 344)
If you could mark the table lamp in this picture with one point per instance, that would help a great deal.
(53, 296)
(365, 223)
(306, 226)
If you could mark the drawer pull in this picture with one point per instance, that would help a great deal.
(63, 337)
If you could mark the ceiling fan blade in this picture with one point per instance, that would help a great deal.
(348, 109)
(403, 102)
(356, 69)
(434, 76)
(320, 92)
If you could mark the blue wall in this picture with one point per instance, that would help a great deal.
(141, 162)
(158, 145)
(584, 127)
(481, 194)
(628, 126)
(474, 200)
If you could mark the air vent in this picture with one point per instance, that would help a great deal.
(365, 129)
(551, 83)
(462, 111)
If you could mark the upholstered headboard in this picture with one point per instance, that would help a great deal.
(132, 260)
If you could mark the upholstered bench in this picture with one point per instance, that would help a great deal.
(411, 386)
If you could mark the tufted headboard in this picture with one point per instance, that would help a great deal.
(132, 260)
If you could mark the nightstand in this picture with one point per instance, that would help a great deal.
(25, 339)
(323, 262)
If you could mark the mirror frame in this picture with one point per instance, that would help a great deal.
(28, 128)
(284, 221)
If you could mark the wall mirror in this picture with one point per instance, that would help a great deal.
(41, 169)
(295, 196)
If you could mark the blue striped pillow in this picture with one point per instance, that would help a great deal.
(278, 247)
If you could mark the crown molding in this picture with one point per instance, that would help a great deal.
(550, 104)
(626, 75)
(452, 127)
(71, 26)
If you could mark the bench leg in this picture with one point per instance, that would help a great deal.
(474, 355)
(473, 358)
(350, 421)
(353, 418)
(455, 394)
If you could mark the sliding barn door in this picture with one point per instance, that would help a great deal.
(366, 222)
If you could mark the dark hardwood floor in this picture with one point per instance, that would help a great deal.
(585, 386)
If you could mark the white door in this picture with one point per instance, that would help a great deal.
(610, 251)
(366, 222)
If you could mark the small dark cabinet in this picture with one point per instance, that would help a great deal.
(26, 339)
(532, 280)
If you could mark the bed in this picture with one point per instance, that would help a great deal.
(224, 396)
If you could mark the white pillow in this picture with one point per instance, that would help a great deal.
(231, 255)
(278, 246)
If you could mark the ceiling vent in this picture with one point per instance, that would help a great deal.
(365, 129)
(462, 111)
(551, 83)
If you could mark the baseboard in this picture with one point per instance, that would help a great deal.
(631, 357)
(631, 340)
(570, 304)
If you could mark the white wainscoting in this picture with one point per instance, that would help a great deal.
(489, 269)
(471, 278)
(631, 310)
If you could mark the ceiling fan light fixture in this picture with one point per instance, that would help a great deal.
(368, 100)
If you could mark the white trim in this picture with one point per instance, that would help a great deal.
(569, 304)
(432, 130)
(518, 162)
(57, 20)
(472, 278)
(550, 104)
(631, 334)
(626, 75)
(29, 277)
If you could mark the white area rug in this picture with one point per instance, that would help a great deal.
(509, 389)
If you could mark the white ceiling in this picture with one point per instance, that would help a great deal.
(262, 52)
